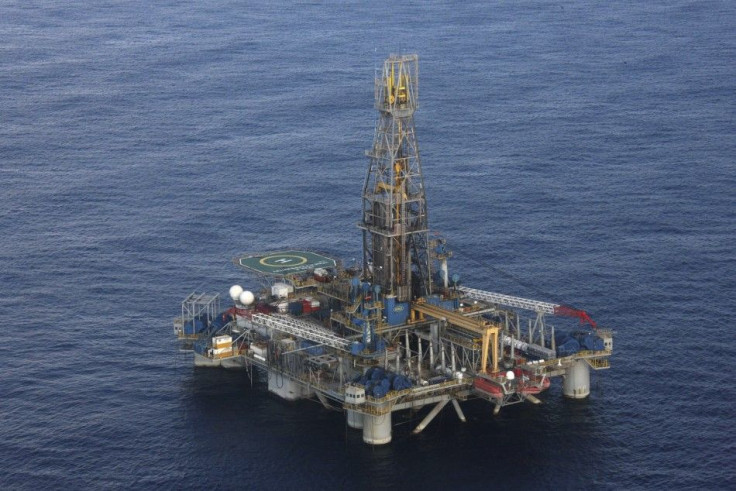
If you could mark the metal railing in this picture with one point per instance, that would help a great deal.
(598, 363)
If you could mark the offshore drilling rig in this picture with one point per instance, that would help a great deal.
(398, 332)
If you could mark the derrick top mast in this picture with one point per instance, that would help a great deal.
(394, 221)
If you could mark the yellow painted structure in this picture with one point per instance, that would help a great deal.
(487, 330)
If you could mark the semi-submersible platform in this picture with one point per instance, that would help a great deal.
(397, 332)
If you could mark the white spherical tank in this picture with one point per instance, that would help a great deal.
(235, 292)
(246, 297)
(510, 375)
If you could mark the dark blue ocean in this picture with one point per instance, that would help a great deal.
(576, 152)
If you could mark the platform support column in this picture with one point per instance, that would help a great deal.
(419, 357)
(355, 419)
(434, 343)
(323, 400)
(576, 383)
(458, 410)
(428, 419)
(408, 351)
(377, 429)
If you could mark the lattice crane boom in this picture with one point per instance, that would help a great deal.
(527, 304)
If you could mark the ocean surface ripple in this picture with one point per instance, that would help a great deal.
(573, 151)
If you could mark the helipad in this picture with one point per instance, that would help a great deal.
(285, 262)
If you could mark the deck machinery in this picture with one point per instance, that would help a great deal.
(396, 332)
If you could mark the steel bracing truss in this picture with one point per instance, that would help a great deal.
(302, 329)
(509, 301)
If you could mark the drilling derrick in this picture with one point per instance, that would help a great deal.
(394, 206)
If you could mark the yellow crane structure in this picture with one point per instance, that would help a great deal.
(487, 330)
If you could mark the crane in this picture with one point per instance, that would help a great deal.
(523, 303)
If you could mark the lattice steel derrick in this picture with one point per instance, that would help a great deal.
(394, 206)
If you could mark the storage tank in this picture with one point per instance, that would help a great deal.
(246, 297)
(235, 292)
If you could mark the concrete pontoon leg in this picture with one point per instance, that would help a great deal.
(377, 429)
(286, 387)
(428, 419)
(355, 419)
(459, 411)
(576, 384)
